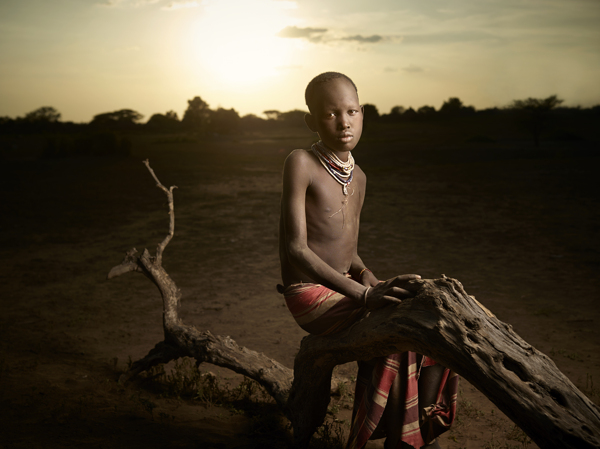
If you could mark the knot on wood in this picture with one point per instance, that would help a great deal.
(472, 323)
(515, 367)
(473, 337)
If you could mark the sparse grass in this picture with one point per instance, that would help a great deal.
(330, 435)
(504, 433)
(183, 381)
(575, 356)
(147, 404)
(506, 438)
(468, 410)
(516, 434)
(590, 390)
(570, 355)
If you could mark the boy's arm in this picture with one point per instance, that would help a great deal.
(361, 273)
(358, 269)
(296, 180)
(380, 293)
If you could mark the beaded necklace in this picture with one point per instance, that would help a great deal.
(342, 172)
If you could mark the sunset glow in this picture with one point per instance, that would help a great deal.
(243, 48)
(93, 56)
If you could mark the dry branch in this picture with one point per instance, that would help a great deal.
(182, 340)
(442, 321)
(169, 192)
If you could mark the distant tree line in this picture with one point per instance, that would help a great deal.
(106, 132)
(199, 118)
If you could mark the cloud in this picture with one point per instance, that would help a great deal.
(317, 35)
(129, 3)
(364, 39)
(173, 6)
(451, 37)
(390, 69)
(294, 32)
(110, 3)
(412, 69)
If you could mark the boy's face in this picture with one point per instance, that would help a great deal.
(337, 115)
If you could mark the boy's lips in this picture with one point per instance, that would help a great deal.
(346, 137)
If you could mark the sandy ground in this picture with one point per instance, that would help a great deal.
(519, 228)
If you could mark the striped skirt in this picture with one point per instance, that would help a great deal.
(321, 311)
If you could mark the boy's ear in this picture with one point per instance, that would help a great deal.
(310, 122)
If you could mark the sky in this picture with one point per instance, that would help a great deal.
(85, 57)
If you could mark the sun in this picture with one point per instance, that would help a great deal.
(236, 43)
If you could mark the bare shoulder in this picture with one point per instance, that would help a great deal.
(298, 157)
(359, 175)
(299, 163)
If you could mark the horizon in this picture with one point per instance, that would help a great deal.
(96, 56)
(272, 114)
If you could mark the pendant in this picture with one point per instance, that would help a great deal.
(345, 189)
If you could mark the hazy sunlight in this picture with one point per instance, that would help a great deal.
(244, 48)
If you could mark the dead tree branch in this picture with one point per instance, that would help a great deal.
(181, 340)
(169, 192)
(442, 321)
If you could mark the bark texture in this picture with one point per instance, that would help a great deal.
(442, 321)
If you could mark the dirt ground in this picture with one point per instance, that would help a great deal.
(518, 227)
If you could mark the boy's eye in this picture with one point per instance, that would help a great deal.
(353, 111)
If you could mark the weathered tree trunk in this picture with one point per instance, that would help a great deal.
(186, 341)
(442, 321)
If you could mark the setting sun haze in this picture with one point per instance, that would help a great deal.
(86, 57)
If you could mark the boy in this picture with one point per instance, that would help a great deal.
(326, 284)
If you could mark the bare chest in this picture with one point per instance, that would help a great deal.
(328, 206)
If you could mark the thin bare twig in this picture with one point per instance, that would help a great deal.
(129, 263)
(169, 192)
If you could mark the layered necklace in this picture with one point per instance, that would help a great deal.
(342, 172)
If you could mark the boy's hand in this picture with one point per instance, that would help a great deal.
(368, 279)
(390, 291)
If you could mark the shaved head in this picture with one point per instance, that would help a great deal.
(312, 90)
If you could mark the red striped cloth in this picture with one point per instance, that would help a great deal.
(321, 311)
